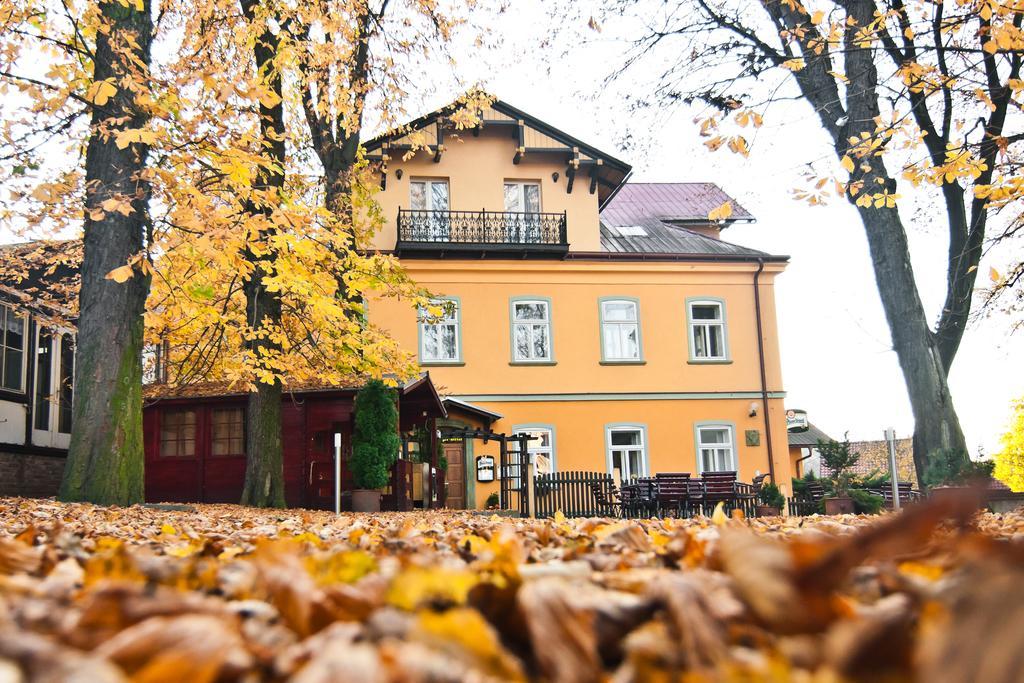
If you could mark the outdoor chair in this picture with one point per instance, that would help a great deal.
(606, 500)
(747, 494)
(694, 497)
(647, 488)
(720, 487)
(673, 491)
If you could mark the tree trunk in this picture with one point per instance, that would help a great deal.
(936, 425)
(105, 458)
(264, 465)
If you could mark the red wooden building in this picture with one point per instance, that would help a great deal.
(195, 442)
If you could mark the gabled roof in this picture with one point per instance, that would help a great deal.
(652, 219)
(670, 202)
(532, 137)
(652, 236)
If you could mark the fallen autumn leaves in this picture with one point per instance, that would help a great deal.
(224, 593)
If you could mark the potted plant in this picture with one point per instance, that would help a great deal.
(837, 457)
(772, 501)
(951, 472)
(375, 444)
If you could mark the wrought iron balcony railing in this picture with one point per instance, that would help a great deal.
(481, 230)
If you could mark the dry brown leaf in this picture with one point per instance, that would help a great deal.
(195, 648)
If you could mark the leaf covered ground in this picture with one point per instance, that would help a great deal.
(223, 593)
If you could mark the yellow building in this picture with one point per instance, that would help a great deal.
(604, 317)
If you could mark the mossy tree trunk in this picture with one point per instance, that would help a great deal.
(105, 458)
(264, 466)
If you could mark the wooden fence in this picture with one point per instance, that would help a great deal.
(571, 493)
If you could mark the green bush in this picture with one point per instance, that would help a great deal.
(772, 496)
(952, 467)
(492, 501)
(375, 441)
(837, 455)
(866, 503)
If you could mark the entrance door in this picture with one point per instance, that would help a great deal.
(454, 453)
(320, 468)
(54, 376)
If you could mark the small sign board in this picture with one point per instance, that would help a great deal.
(796, 421)
(485, 468)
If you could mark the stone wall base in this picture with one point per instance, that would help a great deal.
(30, 476)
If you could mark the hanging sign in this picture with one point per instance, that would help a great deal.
(796, 421)
(485, 468)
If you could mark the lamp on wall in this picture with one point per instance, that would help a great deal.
(554, 176)
(753, 410)
(398, 174)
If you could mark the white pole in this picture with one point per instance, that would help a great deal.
(337, 472)
(890, 437)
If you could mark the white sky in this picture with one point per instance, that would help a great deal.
(837, 356)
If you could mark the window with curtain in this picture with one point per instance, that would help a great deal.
(707, 330)
(439, 337)
(228, 431)
(620, 330)
(715, 450)
(531, 331)
(178, 433)
(541, 447)
(522, 197)
(12, 349)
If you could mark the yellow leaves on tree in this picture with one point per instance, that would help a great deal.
(1010, 457)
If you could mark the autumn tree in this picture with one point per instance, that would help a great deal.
(1010, 457)
(261, 276)
(915, 92)
(98, 58)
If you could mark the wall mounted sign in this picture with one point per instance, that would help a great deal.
(485, 468)
(796, 421)
(753, 437)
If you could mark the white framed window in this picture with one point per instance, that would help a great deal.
(440, 337)
(522, 196)
(627, 451)
(716, 450)
(531, 331)
(541, 447)
(428, 195)
(620, 330)
(12, 349)
(708, 338)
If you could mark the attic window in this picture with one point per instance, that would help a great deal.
(630, 231)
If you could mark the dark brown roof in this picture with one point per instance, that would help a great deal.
(42, 273)
(225, 388)
(874, 455)
(669, 202)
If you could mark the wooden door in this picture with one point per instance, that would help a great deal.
(454, 452)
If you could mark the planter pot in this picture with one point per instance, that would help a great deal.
(839, 506)
(767, 511)
(366, 500)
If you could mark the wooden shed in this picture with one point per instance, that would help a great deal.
(195, 441)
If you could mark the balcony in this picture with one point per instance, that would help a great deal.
(497, 234)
